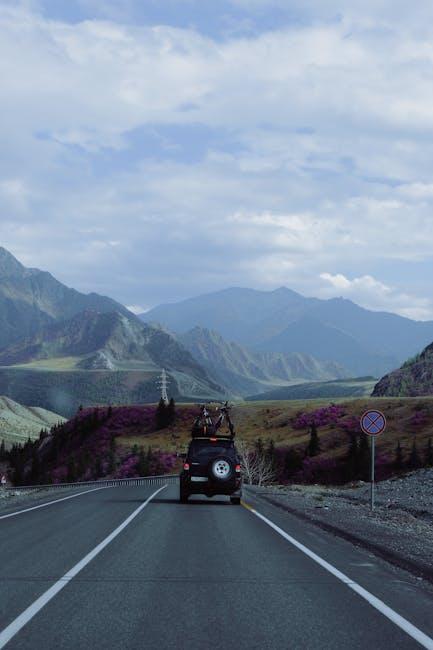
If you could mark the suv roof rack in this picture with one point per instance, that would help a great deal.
(204, 426)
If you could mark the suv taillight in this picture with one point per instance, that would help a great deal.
(186, 466)
(238, 468)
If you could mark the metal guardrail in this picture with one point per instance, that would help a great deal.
(171, 479)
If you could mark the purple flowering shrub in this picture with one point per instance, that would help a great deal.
(158, 462)
(128, 467)
(84, 448)
(324, 416)
(318, 470)
(418, 419)
(59, 475)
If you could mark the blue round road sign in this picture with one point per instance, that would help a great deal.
(373, 423)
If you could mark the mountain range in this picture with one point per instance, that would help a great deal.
(103, 341)
(364, 342)
(245, 371)
(60, 348)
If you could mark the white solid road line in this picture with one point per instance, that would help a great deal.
(13, 628)
(402, 623)
(49, 503)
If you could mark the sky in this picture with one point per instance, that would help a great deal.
(153, 150)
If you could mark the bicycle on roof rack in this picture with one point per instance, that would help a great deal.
(223, 416)
(205, 426)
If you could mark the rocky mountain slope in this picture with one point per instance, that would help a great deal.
(47, 328)
(104, 341)
(366, 342)
(413, 379)
(121, 356)
(31, 299)
(309, 335)
(18, 422)
(245, 371)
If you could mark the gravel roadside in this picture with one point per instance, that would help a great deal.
(17, 499)
(400, 529)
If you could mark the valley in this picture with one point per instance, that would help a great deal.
(126, 441)
(89, 351)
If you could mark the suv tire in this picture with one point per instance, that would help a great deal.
(235, 501)
(183, 495)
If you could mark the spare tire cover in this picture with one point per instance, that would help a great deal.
(221, 469)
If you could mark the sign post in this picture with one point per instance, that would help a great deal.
(373, 423)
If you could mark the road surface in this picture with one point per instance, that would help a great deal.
(110, 569)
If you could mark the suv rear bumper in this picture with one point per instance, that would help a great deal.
(210, 487)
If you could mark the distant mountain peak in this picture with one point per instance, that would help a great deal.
(9, 265)
(31, 299)
(285, 290)
(363, 341)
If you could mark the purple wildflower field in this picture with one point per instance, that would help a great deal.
(85, 448)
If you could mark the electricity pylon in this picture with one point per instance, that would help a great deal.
(163, 384)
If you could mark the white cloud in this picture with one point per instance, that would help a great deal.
(99, 79)
(373, 294)
(417, 191)
(328, 162)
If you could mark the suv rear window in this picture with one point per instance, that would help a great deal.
(202, 450)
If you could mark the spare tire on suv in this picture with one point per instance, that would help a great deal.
(221, 469)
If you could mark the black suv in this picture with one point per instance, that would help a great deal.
(211, 467)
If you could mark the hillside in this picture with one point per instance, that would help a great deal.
(31, 299)
(244, 371)
(63, 391)
(363, 341)
(116, 441)
(413, 379)
(18, 422)
(357, 387)
(104, 341)
(99, 358)
(287, 424)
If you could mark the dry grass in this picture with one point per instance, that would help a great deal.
(274, 420)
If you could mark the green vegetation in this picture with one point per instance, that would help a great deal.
(165, 414)
(64, 392)
(303, 441)
(358, 387)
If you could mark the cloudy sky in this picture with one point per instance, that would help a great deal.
(153, 150)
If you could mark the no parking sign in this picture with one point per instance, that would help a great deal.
(373, 423)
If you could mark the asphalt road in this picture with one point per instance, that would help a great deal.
(201, 575)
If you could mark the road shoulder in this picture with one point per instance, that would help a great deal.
(397, 536)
